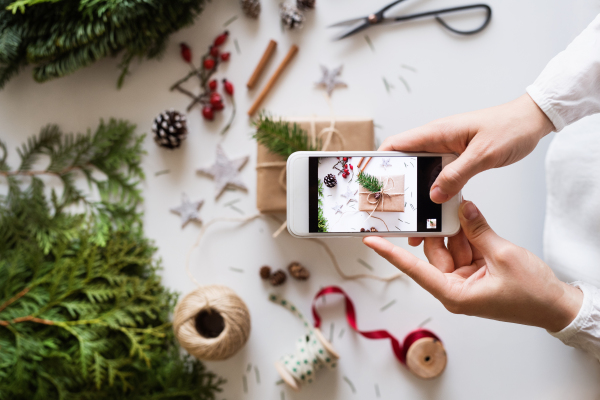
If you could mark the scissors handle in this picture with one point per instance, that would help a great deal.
(437, 14)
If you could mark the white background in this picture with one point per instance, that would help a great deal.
(487, 359)
(350, 219)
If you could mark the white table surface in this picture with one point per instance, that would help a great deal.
(487, 359)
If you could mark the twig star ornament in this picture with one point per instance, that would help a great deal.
(337, 208)
(329, 79)
(225, 172)
(349, 193)
(188, 211)
(385, 163)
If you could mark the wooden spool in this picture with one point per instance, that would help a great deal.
(426, 358)
(288, 378)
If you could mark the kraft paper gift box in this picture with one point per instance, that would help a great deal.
(358, 134)
(392, 199)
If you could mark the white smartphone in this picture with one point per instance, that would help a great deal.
(359, 193)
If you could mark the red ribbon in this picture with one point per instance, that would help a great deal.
(400, 350)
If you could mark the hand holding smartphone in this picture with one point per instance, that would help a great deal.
(330, 195)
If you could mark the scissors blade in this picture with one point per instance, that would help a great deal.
(348, 22)
(359, 28)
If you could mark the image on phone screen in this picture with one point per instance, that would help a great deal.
(392, 194)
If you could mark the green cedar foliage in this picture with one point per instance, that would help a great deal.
(58, 37)
(323, 224)
(369, 182)
(83, 314)
(281, 137)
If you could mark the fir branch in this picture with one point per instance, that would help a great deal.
(323, 225)
(281, 137)
(369, 182)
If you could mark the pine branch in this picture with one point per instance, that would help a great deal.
(281, 137)
(323, 225)
(369, 182)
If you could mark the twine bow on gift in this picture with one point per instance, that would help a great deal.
(378, 197)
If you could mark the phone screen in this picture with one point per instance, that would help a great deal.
(390, 194)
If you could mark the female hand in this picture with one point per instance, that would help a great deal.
(485, 139)
(481, 274)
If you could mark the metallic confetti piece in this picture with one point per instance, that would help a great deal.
(230, 21)
(240, 270)
(388, 85)
(428, 320)
(370, 43)
(231, 202)
(408, 67)
(245, 382)
(279, 382)
(331, 333)
(388, 305)
(365, 264)
(405, 83)
(341, 333)
(257, 374)
(350, 384)
(377, 391)
(237, 46)
(164, 171)
(237, 209)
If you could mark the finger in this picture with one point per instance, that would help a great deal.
(415, 241)
(438, 255)
(460, 249)
(477, 230)
(431, 137)
(425, 274)
(455, 175)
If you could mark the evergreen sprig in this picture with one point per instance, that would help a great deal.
(369, 182)
(281, 137)
(59, 37)
(323, 224)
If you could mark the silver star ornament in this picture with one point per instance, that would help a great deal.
(225, 172)
(349, 193)
(188, 211)
(329, 79)
(337, 208)
(385, 162)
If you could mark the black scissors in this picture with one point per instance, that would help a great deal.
(379, 18)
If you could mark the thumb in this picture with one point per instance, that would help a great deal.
(455, 175)
(476, 228)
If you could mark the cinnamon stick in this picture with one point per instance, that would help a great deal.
(360, 162)
(273, 79)
(260, 67)
(367, 163)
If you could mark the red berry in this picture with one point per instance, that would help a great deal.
(345, 158)
(212, 85)
(225, 56)
(214, 51)
(338, 158)
(186, 52)
(219, 40)
(351, 167)
(228, 87)
(215, 98)
(218, 106)
(209, 63)
(207, 113)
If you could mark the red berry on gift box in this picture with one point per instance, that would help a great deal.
(215, 98)
(219, 40)
(225, 56)
(209, 63)
(218, 106)
(212, 85)
(214, 51)
(207, 113)
(186, 52)
(228, 87)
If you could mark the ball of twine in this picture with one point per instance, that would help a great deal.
(212, 322)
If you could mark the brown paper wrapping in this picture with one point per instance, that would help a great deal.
(393, 196)
(358, 135)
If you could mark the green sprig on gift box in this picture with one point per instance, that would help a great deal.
(369, 182)
(281, 137)
(83, 313)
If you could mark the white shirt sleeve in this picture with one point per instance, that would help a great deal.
(568, 89)
(584, 331)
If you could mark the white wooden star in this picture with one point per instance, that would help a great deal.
(188, 210)
(349, 193)
(225, 172)
(385, 162)
(337, 208)
(329, 79)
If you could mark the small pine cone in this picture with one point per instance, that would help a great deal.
(265, 272)
(362, 229)
(170, 129)
(278, 278)
(305, 4)
(298, 272)
(251, 8)
(373, 229)
(330, 180)
(291, 17)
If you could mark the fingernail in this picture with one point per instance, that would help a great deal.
(437, 195)
(470, 212)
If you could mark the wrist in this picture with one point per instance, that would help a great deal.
(540, 123)
(564, 309)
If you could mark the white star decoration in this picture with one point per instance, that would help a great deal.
(329, 79)
(188, 211)
(349, 193)
(337, 208)
(385, 162)
(225, 172)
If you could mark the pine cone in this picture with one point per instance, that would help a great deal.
(373, 229)
(251, 8)
(170, 129)
(278, 278)
(291, 17)
(305, 4)
(265, 272)
(298, 272)
(330, 180)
